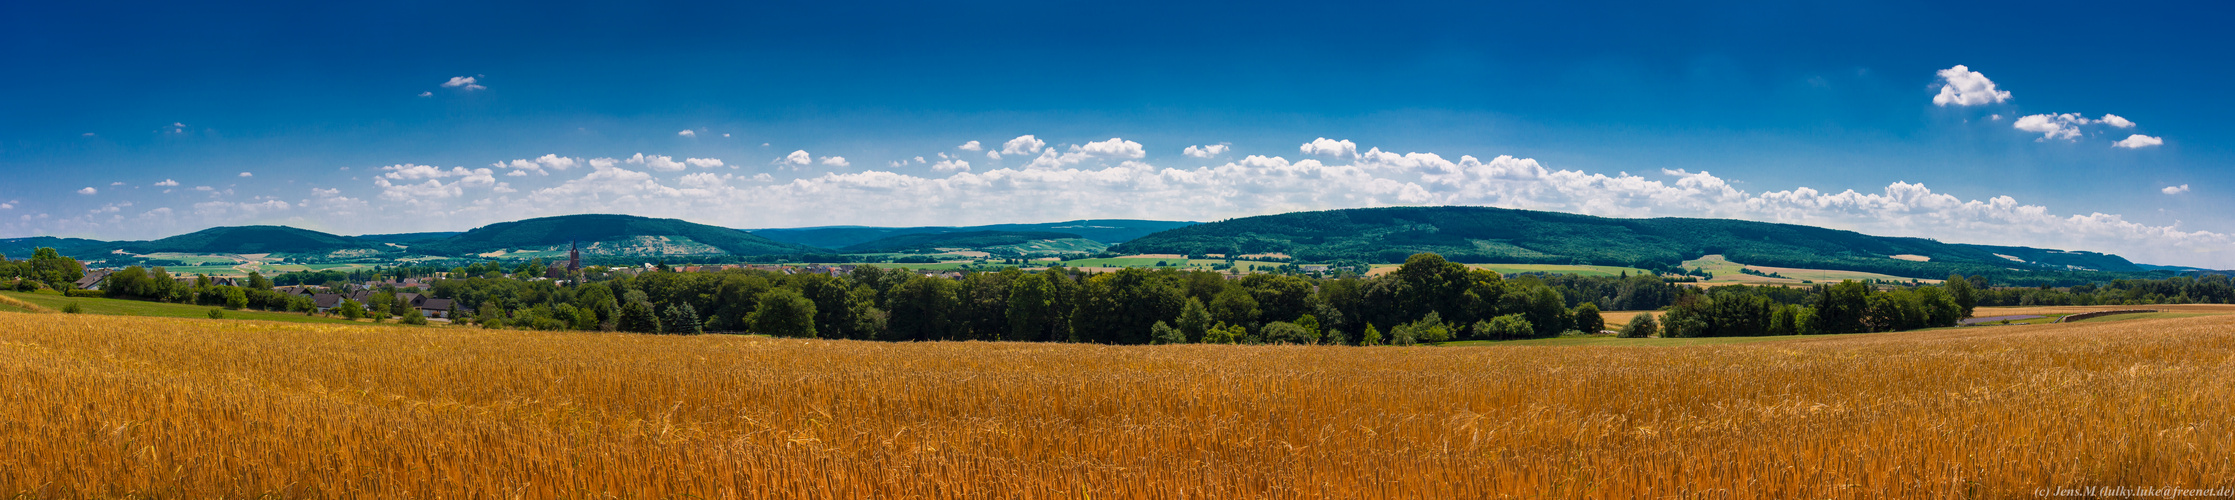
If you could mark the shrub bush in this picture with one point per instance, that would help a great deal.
(1163, 333)
(1282, 332)
(1511, 326)
(1639, 327)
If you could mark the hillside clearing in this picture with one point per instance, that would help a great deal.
(1727, 272)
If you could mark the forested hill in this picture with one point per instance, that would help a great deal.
(1110, 231)
(216, 240)
(408, 238)
(1496, 235)
(627, 233)
(254, 240)
(20, 248)
(967, 239)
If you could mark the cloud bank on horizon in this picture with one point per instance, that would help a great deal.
(1109, 179)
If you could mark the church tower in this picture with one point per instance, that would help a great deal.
(574, 256)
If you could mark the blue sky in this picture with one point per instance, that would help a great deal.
(140, 121)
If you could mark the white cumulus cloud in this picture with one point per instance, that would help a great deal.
(2137, 141)
(1113, 148)
(555, 162)
(247, 174)
(1961, 86)
(835, 161)
(421, 182)
(1205, 151)
(657, 162)
(687, 133)
(2061, 126)
(88, 190)
(1023, 145)
(801, 158)
(951, 166)
(462, 82)
(2175, 189)
(970, 146)
(703, 162)
(2116, 121)
(1329, 147)
(409, 171)
(167, 183)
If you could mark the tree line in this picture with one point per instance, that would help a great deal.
(2204, 289)
(1427, 299)
(1845, 307)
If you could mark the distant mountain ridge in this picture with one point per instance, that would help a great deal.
(561, 230)
(1110, 231)
(21, 248)
(965, 239)
(1465, 234)
(253, 240)
(408, 238)
(1496, 235)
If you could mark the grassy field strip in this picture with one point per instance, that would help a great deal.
(24, 306)
(121, 307)
(1645, 342)
(120, 406)
(2135, 316)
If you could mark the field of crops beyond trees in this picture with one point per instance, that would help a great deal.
(105, 406)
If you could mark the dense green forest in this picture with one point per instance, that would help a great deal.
(65, 246)
(1495, 235)
(2206, 289)
(253, 240)
(217, 240)
(1427, 300)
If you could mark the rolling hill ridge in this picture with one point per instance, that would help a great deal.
(1108, 231)
(1496, 235)
(609, 234)
(255, 240)
(966, 239)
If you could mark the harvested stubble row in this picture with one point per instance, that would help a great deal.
(116, 406)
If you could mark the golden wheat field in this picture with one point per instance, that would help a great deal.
(173, 408)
